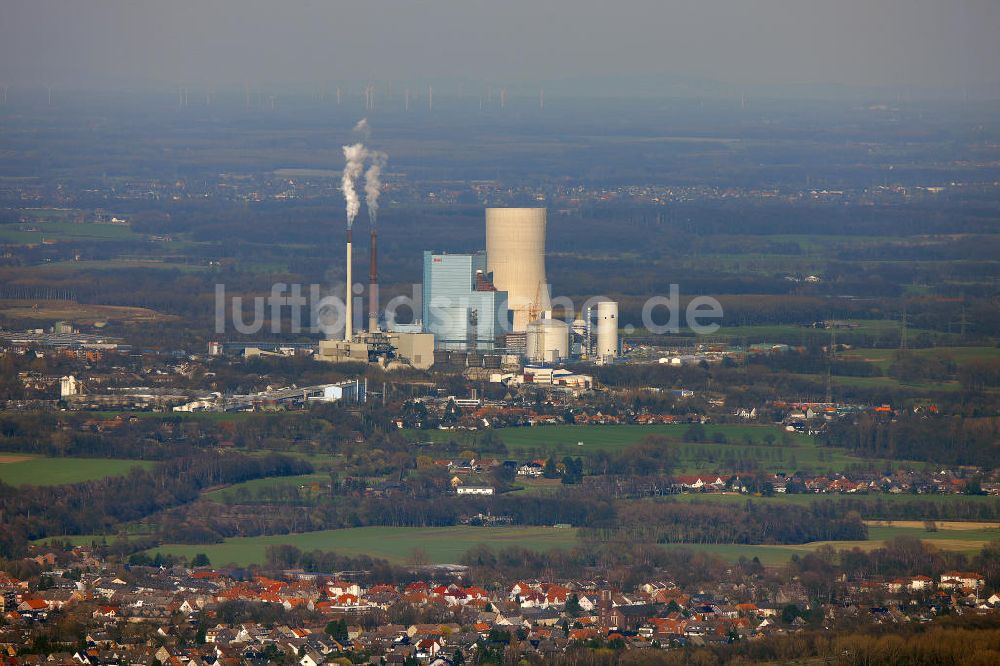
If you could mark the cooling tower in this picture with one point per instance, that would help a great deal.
(607, 332)
(515, 255)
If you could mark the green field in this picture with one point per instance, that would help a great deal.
(445, 545)
(968, 542)
(796, 334)
(442, 545)
(249, 491)
(64, 231)
(888, 383)
(789, 452)
(961, 355)
(21, 470)
(122, 263)
(883, 358)
(608, 437)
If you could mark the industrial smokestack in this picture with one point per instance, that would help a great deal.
(348, 319)
(373, 287)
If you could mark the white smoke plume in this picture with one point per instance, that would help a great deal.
(362, 128)
(354, 157)
(373, 183)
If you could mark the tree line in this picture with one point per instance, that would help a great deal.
(968, 441)
(35, 512)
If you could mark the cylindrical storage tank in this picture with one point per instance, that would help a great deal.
(578, 337)
(515, 255)
(548, 340)
(607, 331)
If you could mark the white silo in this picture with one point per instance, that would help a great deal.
(607, 331)
(515, 255)
(547, 340)
(68, 385)
(578, 337)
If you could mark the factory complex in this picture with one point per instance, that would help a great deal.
(490, 308)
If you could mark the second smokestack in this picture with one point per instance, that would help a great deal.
(373, 287)
(350, 295)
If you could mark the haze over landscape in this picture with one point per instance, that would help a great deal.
(579, 46)
(433, 333)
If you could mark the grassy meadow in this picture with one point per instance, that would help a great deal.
(789, 451)
(446, 545)
(968, 542)
(63, 231)
(439, 545)
(28, 470)
(249, 491)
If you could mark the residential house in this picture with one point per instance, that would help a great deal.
(964, 580)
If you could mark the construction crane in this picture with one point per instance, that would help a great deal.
(534, 309)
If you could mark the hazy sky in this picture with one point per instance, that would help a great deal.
(225, 43)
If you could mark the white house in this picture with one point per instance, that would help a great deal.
(337, 588)
(961, 579)
(474, 490)
(530, 469)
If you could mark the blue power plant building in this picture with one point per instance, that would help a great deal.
(461, 307)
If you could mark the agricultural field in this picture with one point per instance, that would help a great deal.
(788, 451)
(961, 355)
(400, 545)
(803, 334)
(24, 470)
(968, 542)
(607, 437)
(27, 234)
(446, 545)
(266, 489)
(77, 312)
(122, 263)
(886, 383)
(794, 332)
(540, 486)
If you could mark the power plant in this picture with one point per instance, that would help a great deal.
(395, 349)
(389, 349)
(466, 316)
(492, 302)
(499, 301)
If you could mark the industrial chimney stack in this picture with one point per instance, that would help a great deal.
(350, 294)
(373, 287)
